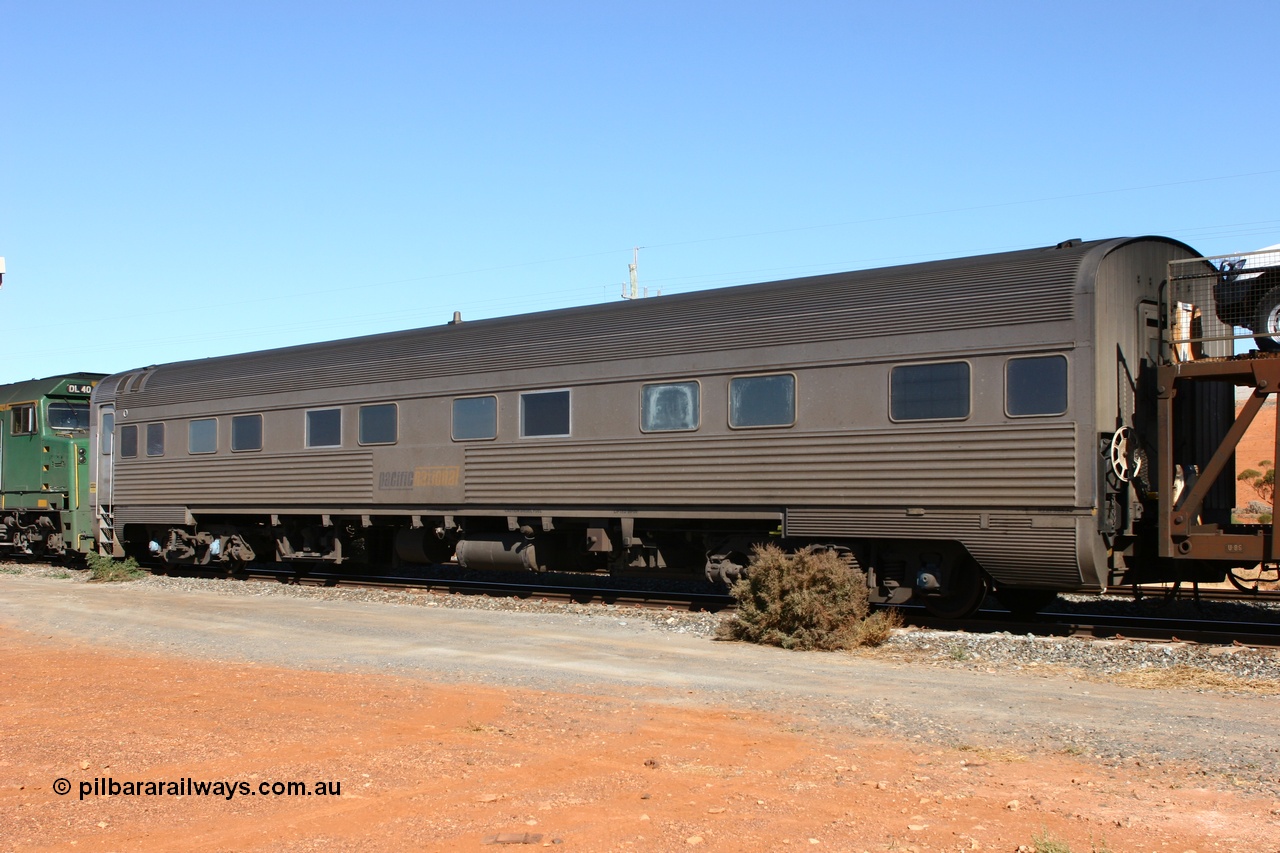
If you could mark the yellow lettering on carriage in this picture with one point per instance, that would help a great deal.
(436, 476)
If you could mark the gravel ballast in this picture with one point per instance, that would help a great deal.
(952, 649)
(1213, 709)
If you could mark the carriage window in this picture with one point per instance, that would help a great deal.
(378, 424)
(24, 420)
(1036, 386)
(544, 413)
(108, 430)
(246, 432)
(669, 407)
(202, 436)
(155, 439)
(920, 392)
(761, 401)
(129, 440)
(475, 418)
(324, 428)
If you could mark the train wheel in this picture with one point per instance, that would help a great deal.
(1267, 321)
(1264, 574)
(1266, 344)
(967, 589)
(1025, 603)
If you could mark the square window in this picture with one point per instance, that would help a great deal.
(669, 407)
(475, 418)
(1036, 386)
(202, 436)
(920, 392)
(24, 420)
(762, 401)
(246, 432)
(544, 413)
(378, 424)
(324, 428)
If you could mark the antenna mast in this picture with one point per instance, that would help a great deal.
(634, 267)
(635, 277)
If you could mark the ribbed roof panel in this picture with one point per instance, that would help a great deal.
(1030, 286)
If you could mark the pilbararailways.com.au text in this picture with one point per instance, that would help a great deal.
(188, 787)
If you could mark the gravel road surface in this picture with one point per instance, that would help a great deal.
(1230, 737)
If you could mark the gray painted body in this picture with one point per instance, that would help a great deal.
(1021, 494)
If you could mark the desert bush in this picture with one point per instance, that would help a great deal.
(812, 599)
(1045, 842)
(107, 570)
(877, 628)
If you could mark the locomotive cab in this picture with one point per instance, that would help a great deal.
(44, 466)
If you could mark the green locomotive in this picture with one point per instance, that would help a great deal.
(44, 466)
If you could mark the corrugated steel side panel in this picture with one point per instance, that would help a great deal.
(1010, 546)
(312, 478)
(152, 515)
(1022, 287)
(1023, 465)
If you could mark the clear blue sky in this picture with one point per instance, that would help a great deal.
(181, 180)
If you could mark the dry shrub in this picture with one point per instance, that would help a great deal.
(808, 600)
(1184, 676)
(876, 629)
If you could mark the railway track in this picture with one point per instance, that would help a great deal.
(283, 575)
(582, 594)
(1199, 629)
(1160, 629)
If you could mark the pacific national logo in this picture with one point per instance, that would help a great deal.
(422, 477)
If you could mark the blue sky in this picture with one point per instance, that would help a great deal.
(182, 180)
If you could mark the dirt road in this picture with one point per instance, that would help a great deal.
(440, 729)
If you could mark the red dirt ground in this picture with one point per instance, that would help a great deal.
(1258, 444)
(424, 766)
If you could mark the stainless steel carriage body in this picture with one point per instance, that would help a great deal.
(1022, 493)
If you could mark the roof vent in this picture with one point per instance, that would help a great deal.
(1069, 244)
(457, 318)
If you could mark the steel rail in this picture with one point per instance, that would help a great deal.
(507, 589)
(1197, 630)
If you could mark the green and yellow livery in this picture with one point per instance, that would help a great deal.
(44, 466)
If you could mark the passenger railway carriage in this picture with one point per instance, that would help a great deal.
(952, 426)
